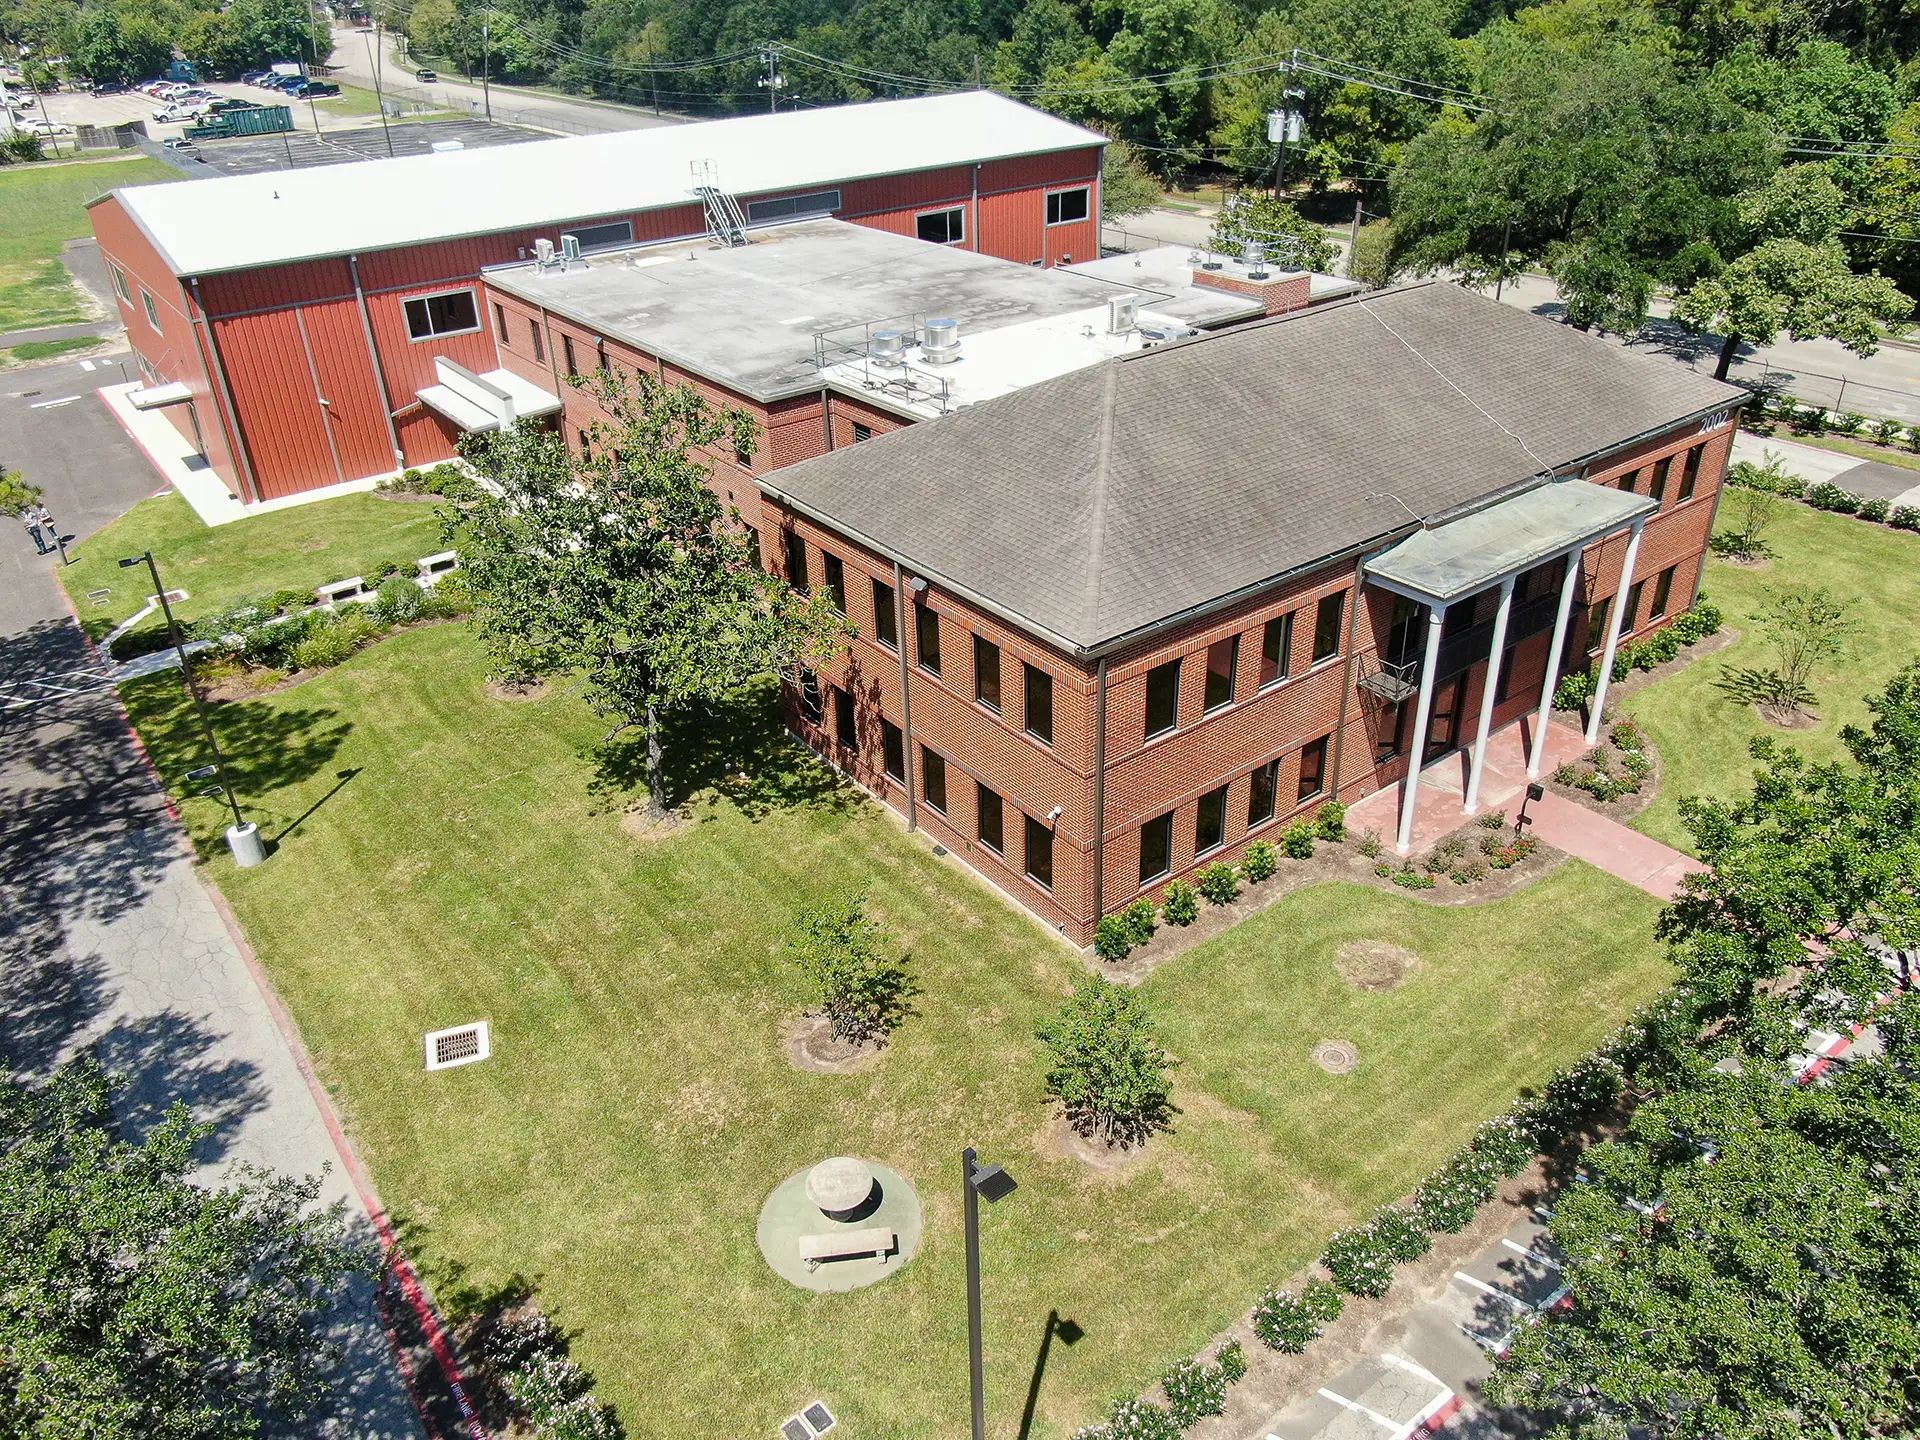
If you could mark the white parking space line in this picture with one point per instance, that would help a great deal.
(1400, 1362)
(1493, 1290)
(86, 364)
(1546, 1260)
(53, 404)
(1357, 1408)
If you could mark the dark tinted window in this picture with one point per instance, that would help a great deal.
(1039, 853)
(500, 322)
(926, 637)
(1690, 475)
(884, 629)
(893, 750)
(539, 345)
(1662, 594)
(1597, 623)
(810, 696)
(942, 227)
(834, 575)
(566, 349)
(1223, 662)
(1313, 768)
(1630, 617)
(1658, 489)
(1039, 721)
(1163, 698)
(450, 314)
(986, 673)
(843, 715)
(988, 808)
(796, 561)
(1065, 206)
(1276, 649)
(1265, 785)
(1210, 821)
(933, 779)
(1156, 848)
(1326, 626)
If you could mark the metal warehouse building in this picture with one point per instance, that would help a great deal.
(288, 322)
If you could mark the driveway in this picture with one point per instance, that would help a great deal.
(108, 939)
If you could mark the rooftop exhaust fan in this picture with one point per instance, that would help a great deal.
(940, 342)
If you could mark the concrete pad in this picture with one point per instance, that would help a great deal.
(1877, 480)
(1809, 462)
(1626, 853)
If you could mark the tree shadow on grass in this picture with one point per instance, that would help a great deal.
(738, 748)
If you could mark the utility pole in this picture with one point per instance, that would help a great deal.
(773, 79)
(1283, 125)
(486, 70)
(653, 75)
(1353, 240)
(379, 95)
(1506, 234)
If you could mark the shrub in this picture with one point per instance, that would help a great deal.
(1285, 1321)
(1219, 882)
(1296, 841)
(1261, 861)
(549, 1391)
(1472, 872)
(1663, 645)
(1568, 774)
(1330, 822)
(1828, 496)
(1139, 1420)
(1359, 1263)
(1181, 904)
(1232, 1362)
(1575, 690)
(1112, 938)
(1194, 1391)
(1848, 423)
(450, 596)
(859, 978)
(1400, 1235)
(1626, 735)
(1369, 844)
(1506, 1144)
(1492, 820)
(399, 601)
(1105, 1064)
(325, 646)
(1876, 510)
(288, 600)
(1448, 1199)
(1411, 879)
(1139, 918)
(1905, 517)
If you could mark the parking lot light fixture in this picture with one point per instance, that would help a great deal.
(993, 1184)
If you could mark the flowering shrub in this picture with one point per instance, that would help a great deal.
(1876, 510)
(1412, 879)
(1905, 517)
(1134, 1420)
(1828, 496)
(1359, 1262)
(1181, 904)
(1194, 1391)
(1400, 1234)
(1506, 1143)
(1448, 1199)
(1288, 1322)
(1219, 882)
(1261, 861)
(1505, 857)
(1232, 1362)
(550, 1392)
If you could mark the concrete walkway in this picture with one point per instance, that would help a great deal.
(1870, 479)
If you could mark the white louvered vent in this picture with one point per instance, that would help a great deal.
(462, 1045)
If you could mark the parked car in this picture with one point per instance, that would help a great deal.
(281, 82)
(254, 77)
(179, 114)
(232, 102)
(45, 127)
(109, 87)
(425, 77)
(314, 90)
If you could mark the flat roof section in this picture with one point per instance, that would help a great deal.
(747, 316)
(237, 222)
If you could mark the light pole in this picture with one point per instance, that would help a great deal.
(995, 1184)
(243, 836)
(486, 70)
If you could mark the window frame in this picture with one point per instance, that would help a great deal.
(1598, 614)
(1173, 722)
(981, 795)
(1028, 689)
(1339, 601)
(893, 748)
(1690, 473)
(844, 728)
(1283, 662)
(926, 620)
(933, 763)
(1159, 823)
(813, 704)
(121, 285)
(153, 310)
(1662, 593)
(1209, 705)
(580, 232)
(1029, 830)
(426, 301)
(1630, 620)
(500, 324)
(886, 630)
(946, 212)
(1316, 747)
(791, 207)
(1217, 798)
(1271, 783)
(1662, 469)
(1085, 192)
(566, 351)
(982, 648)
(539, 341)
(833, 579)
(794, 552)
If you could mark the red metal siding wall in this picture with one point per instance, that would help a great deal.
(281, 419)
(347, 381)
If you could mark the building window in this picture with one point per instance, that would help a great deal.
(753, 546)
(833, 576)
(1039, 704)
(500, 321)
(1276, 650)
(1658, 490)
(861, 433)
(1265, 786)
(988, 808)
(1630, 617)
(933, 779)
(1223, 664)
(788, 207)
(810, 696)
(1039, 853)
(1662, 593)
(1163, 698)
(539, 345)
(893, 751)
(453, 313)
(1066, 206)
(602, 237)
(942, 227)
(1690, 474)
(796, 561)
(926, 638)
(153, 313)
(1628, 481)
(1597, 623)
(743, 454)
(566, 351)
(1326, 626)
(843, 716)
(884, 630)
(600, 358)
(120, 282)
(1156, 848)
(1210, 821)
(1313, 768)
(586, 446)
(986, 673)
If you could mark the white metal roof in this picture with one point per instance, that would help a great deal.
(236, 222)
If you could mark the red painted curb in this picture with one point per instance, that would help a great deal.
(409, 1281)
(1439, 1420)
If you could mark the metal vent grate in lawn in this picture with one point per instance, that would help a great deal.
(795, 1429)
(809, 1424)
(461, 1045)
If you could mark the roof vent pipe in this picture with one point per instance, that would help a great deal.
(1254, 255)
(1123, 312)
(940, 342)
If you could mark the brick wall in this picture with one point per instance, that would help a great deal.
(1279, 292)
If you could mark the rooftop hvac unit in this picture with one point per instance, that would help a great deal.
(569, 250)
(543, 252)
(887, 346)
(940, 342)
(1123, 311)
(447, 147)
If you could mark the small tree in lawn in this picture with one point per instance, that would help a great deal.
(861, 984)
(622, 564)
(1127, 186)
(1806, 626)
(1809, 291)
(1106, 1065)
(1746, 512)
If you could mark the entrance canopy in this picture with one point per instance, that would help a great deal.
(1465, 556)
(492, 401)
(158, 397)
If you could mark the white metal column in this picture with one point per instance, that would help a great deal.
(1492, 686)
(1616, 613)
(1423, 711)
(1542, 720)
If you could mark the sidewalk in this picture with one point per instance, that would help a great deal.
(1870, 479)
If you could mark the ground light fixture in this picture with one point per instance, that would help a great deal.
(993, 1184)
(243, 836)
(1535, 791)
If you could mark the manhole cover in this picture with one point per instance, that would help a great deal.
(1336, 1057)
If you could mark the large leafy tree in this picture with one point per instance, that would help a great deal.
(1806, 290)
(1288, 237)
(135, 1304)
(110, 46)
(623, 565)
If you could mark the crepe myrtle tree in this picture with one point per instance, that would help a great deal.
(1105, 1064)
(136, 1305)
(621, 564)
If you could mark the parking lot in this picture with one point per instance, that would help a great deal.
(253, 154)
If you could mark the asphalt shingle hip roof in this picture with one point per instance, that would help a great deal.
(1094, 505)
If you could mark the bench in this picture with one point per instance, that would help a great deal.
(846, 1245)
(340, 591)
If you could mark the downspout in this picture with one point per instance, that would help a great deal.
(974, 219)
(1346, 670)
(236, 441)
(379, 370)
(1100, 793)
(826, 414)
(906, 701)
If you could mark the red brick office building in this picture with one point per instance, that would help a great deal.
(1118, 623)
(289, 322)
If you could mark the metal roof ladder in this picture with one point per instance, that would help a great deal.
(726, 225)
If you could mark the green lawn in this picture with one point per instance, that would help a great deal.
(299, 548)
(1703, 736)
(34, 351)
(42, 206)
(443, 857)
